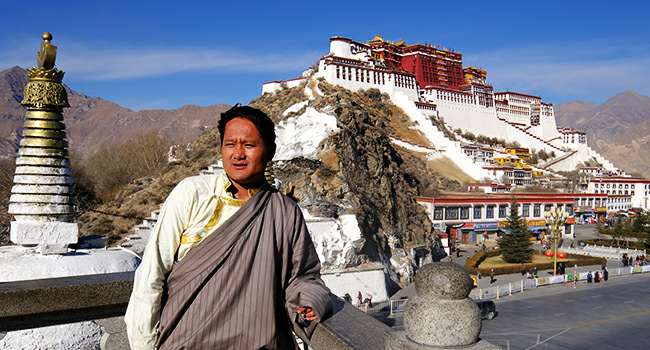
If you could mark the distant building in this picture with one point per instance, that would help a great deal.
(434, 80)
(511, 175)
(637, 188)
(479, 154)
(491, 187)
(573, 136)
(474, 217)
(519, 108)
(592, 171)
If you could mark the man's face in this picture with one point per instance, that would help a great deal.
(243, 152)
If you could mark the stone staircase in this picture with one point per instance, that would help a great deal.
(558, 159)
(525, 131)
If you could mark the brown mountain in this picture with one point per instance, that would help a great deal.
(92, 122)
(619, 128)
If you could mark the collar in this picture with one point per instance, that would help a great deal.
(229, 190)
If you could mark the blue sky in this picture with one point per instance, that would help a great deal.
(165, 54)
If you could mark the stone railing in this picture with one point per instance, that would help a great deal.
(441, 303)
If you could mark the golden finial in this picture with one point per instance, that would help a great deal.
(46, 57)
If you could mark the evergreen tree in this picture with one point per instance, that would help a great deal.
(515, 245)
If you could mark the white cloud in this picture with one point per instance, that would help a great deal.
(84, 63)
(590, 70)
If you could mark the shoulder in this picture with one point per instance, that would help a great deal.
(196, 185)
(284, 203)
(200, 182)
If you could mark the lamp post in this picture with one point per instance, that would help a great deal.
(555, 218)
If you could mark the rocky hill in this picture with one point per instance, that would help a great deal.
(619, 128)
(92, 122)
(354, 168)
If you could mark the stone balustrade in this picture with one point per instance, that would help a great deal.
(440, 317)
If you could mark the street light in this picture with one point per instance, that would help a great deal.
(555, 218)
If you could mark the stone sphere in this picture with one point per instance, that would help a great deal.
(442, 280)
(442, 323)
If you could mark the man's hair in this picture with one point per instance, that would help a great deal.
(262, 122)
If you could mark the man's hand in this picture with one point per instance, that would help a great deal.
(307, 313)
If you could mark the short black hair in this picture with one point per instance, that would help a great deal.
(262, 122)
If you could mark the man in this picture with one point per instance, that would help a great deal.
(230, 263)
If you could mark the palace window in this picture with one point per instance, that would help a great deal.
(451, 213)
(464, 213)
(536, 210)
(437, 214)
(502, 211)
(548, 207)
(525, 209)
(477, 212)
(489, 212)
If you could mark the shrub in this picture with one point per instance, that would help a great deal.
(112, 167)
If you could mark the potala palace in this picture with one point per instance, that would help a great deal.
(428, 81)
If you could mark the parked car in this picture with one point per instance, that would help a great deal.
(488, 309)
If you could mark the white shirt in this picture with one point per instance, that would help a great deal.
(193, 210)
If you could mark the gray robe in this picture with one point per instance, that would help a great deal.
(240, 287)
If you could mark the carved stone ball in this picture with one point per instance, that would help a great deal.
(442, 280)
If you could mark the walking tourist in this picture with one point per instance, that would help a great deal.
(597, 277)
(605, 274)
(590, 277)
(359, 299)
(231, 255)
(348, 298)
(492, 280)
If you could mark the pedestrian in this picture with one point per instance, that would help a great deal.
(597, 277)
(535, 271)
(348, 298)
(359, 299)
(478, 275)
(590, 277)
(523, 271)
(492, 276)
(369, 300)
(604, 265)
(575, 278)
(605, 274)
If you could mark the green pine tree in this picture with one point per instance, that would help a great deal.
(515, 245)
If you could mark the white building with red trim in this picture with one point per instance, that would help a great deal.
(637, 188)
(473, 217)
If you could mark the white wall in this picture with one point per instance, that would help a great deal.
(451, 148)
(371, 282)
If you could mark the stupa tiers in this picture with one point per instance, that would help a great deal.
(42, 195)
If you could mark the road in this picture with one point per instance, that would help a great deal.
(615, 315)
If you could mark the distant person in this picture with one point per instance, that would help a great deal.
(348, 298)
(597, 277)
(590, 277)
(605, 274)
(230, 263)
(575, 278)
(492, 279)
(359, 298)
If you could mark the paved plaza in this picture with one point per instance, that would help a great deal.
(612, 315)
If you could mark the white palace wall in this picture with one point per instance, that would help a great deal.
(483, 121)
(363, 78)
